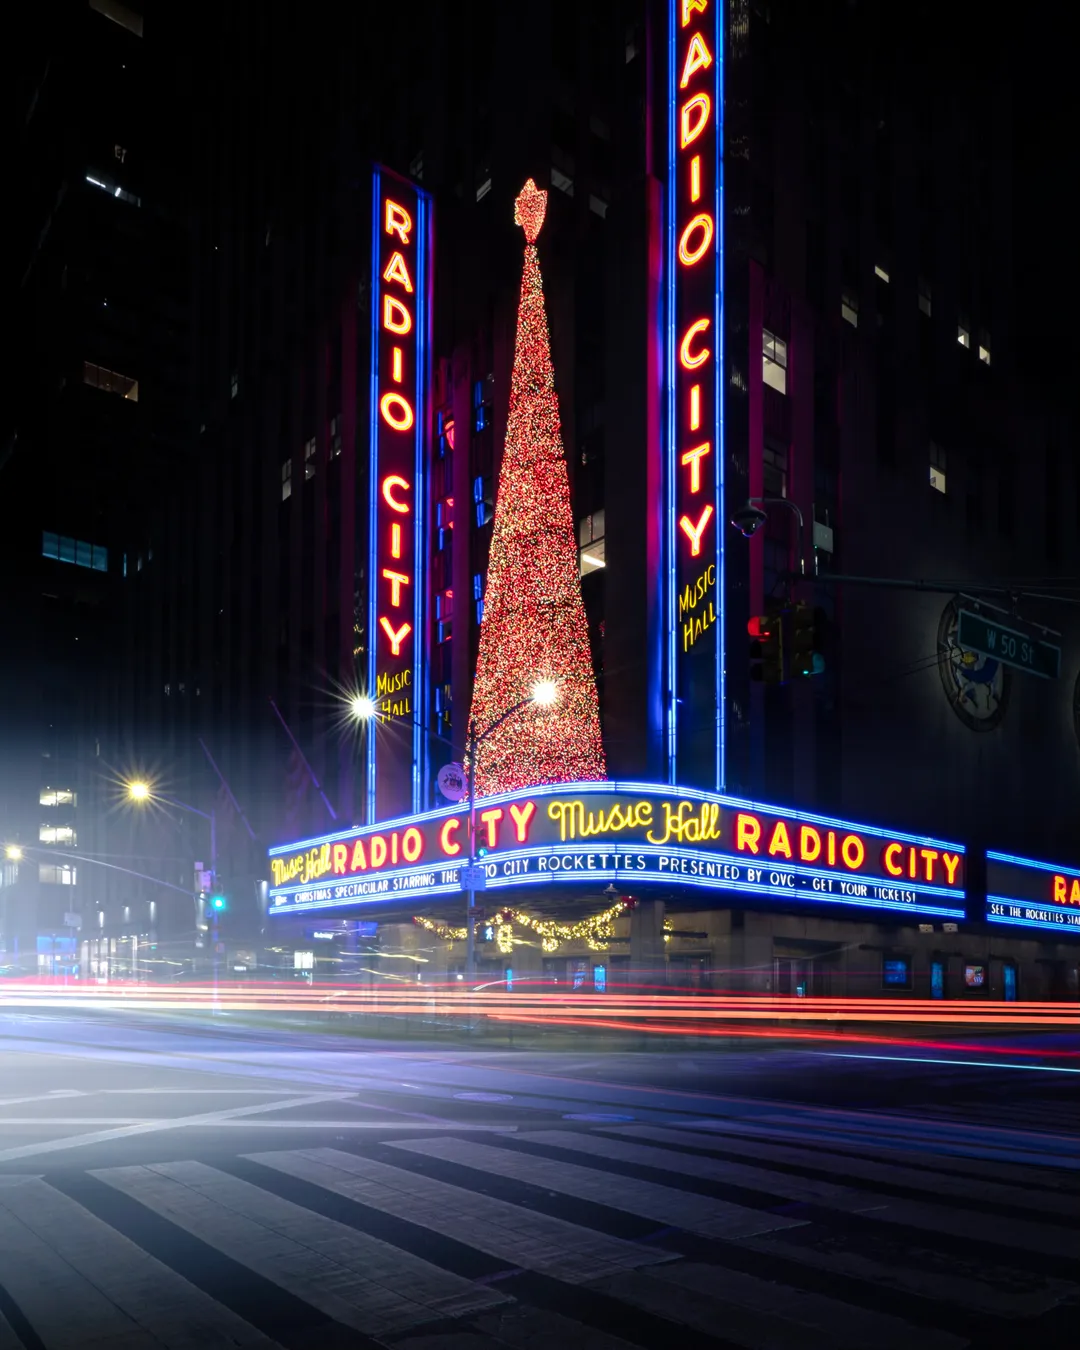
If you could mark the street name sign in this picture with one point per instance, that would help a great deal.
(980, 633)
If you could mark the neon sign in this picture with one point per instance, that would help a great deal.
(1030, 894)
(638, 833)
(695, 356)
(399, 419)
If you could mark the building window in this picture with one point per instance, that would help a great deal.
(309, 458)
(849, 307)
(984, 347)
(112, 187)
(126, 18)
(483, 402)
(963, 336)
(234, 385)
(444, 614)
(591, 544)
(483, 190)
(286, 480)
(774, 361)
(774, 460)
(335, 436)
(56, 875)
(57, 834)
(57, 797)
(562, 182)
(416, 167)
(100, 378)
(446, 434)
(937, 467)
(598, 205)
(881, 273)
(925, 298)
(76, 551)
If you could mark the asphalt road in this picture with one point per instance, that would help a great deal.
(188, 1184)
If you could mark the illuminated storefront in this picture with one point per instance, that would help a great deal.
(1022, 893)
(642, 837)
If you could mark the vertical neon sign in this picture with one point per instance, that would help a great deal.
(400, 317)
(694, 468)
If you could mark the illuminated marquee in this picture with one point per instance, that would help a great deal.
(695, 356)
(399, 418)
(1029, 894)
(626, 832)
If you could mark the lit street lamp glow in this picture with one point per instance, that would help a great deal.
(545, 693)
(13, 852)
(139, 792)
(362, 707)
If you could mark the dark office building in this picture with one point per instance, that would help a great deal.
(95, 287)
(863, 342)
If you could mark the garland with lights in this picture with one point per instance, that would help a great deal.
(534, 627)
(596, 931)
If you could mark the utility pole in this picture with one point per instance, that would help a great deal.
(470, 910)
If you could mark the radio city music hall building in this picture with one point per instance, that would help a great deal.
(732, 295)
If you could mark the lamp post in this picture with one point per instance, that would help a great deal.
(139, 791)
(545, 694)
(749, 519)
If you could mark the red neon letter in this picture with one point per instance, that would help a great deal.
(450, 846)
(694, 458)
(688, 359)
(1059, 891)
(930, 856)
(698, 57)
(412, 843)
(780, 841)
(491, 819)
(695, 407)
(522, 816)
(695, 178)
(390, 482)
(809, 843)
(378, 850)
(852, 851)
(359, 858)
(396, 639)
(396, 580)
(395, 365)
(687, 255)
(397, 221)
(952, 862)
(699, 108)
(401, 419)
(341, 858)
(694, 532)
(397, 271)
(395, 540)
(691, 6)
(747, 833)
(395, 317)
(888, 854)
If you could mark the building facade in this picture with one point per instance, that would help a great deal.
(778, 268)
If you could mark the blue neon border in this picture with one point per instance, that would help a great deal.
(1016, 861)
(671, 737)
(420, 664)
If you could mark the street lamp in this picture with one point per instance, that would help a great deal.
(749, 519)
(139, 791)
(544, 694)
(13, 853)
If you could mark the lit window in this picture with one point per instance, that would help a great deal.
(286, 480)
(57, 797)
(57, 834)
(335, 436)
(234, 385)
(984, 347)
(774, 361)
(591, 543)
(100, 378)
(126, 18)
(881, 273)
(963, 336)
(598, 205)
(849, 308)
(416, 167)
(309, 458)
(75, 551)
(562, 182)
(483, 190)
(925, 298)
(444, 614)
(937, 468)
(56, 875)
(112, 187)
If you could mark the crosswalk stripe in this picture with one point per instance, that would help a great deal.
(524, 1328)
(522, 1238)
(663, 1204)
(968, 1224)
(63, 1263)
(763, 1315)
(8, 1339)
(358, 1280)
(804, 1188)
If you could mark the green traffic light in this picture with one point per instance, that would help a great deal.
(217, 902)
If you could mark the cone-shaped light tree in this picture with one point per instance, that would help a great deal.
(534, 628)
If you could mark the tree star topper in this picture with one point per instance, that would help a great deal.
(530, 209)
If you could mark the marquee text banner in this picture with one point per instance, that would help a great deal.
(1029, 894)
(634, 833)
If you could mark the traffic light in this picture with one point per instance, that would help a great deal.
(218, 902)
(767, 647)
(803, 641)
